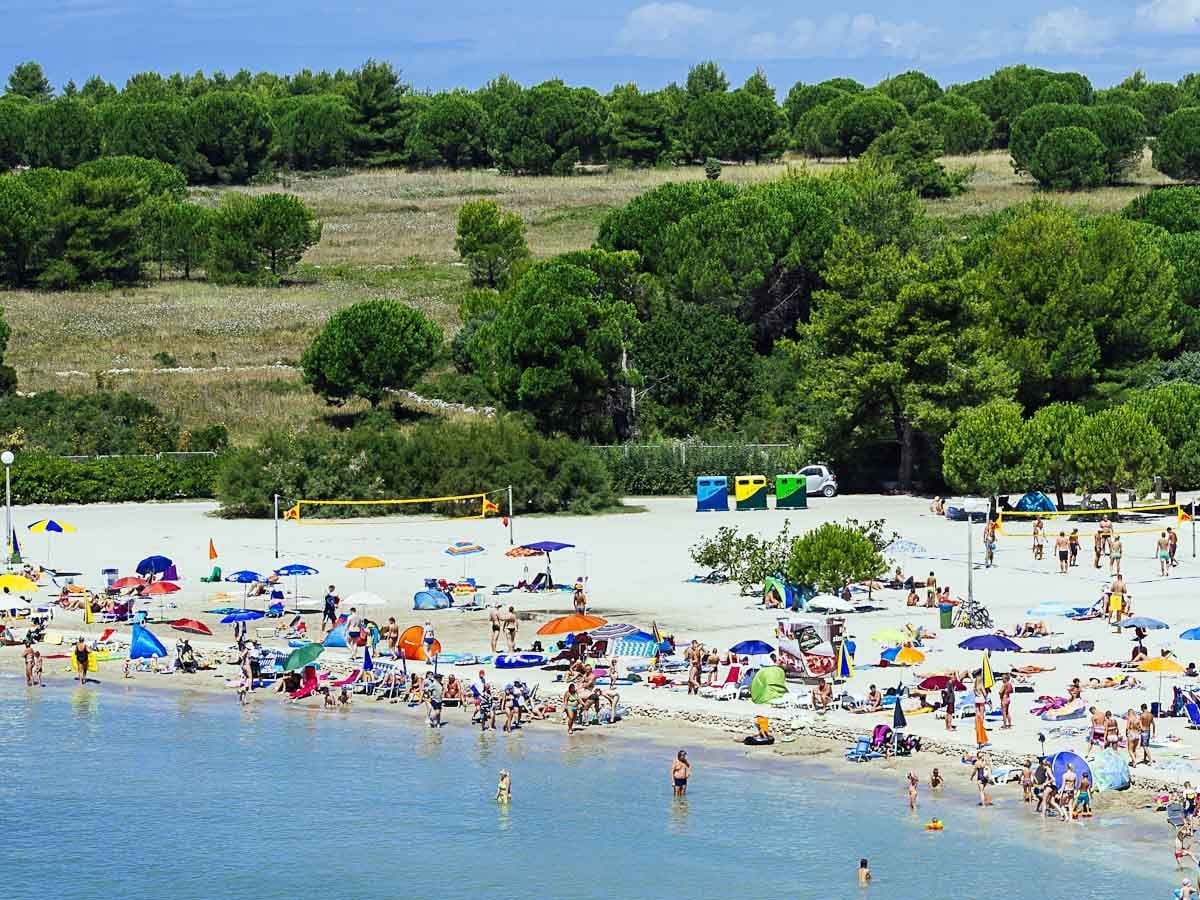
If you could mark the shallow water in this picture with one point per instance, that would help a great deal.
(148, 794)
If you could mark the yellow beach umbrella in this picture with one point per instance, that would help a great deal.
(989, 680)
(16, 584)
(891, 636)
(1163, 665)
(364, 563)
(49, 527)
(909, 656)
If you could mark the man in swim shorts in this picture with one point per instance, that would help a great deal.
(1163, 547)
(681, 771)
(494, 622)
(1062, 546)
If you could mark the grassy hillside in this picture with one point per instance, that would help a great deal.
(386, 234)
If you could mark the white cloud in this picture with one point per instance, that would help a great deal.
(663, 24)
(1169, 15)
(676, 28)
(1071, 30)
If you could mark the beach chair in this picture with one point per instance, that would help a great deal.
(349, 681)
(213, 576)
(862, 752)
(1193, 714)
(728, 676)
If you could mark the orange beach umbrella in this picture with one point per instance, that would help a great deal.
(576, 622)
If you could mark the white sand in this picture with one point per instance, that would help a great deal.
(636, 566)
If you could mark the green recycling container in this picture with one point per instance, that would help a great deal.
(945, 615)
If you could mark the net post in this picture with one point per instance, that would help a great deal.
(276, 516)
(510, 521)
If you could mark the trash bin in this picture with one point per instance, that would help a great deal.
(946, 615)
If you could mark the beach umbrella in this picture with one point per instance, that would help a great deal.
(129, 581)
(909, 656)
(845, 665)
(12, 583)
(49, 527)
(614, 631)
(242, 615)
(153, 565)
(245, 578)
(464, 549)
(547, 547)
(752, 648)
(161, 587)
(364, 563)
(1192, 634)
(294, 571)
(1163, 665)
(302, 656)
(989, 680)
(363, 598)
(898, 719)
(989, 642)
(191, 626)
(939, 682)
(576, 622)
(1144, 622)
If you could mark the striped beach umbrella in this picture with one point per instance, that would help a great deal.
(49, 527)
(845, 665)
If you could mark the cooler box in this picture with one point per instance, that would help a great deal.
(750, 492)
(791, 492)
(712, 493)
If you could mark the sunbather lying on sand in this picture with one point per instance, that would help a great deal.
(1126, 681)
(1028, 629)
(1032, 670)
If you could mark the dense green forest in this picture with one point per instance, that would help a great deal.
(220, 129)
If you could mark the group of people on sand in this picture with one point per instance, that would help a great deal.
(703, 663)
(1140, 727)
(503, 621)
(1106, 542)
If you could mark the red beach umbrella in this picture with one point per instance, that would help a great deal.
(129, 581)
(191, 626)
(161, 587)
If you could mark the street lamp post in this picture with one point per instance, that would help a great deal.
(7, 458)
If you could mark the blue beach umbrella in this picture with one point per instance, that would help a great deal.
(994, 642)
(1192, 634)
(752, 648)
(242, 615)
(154, 565)
(547, 547)
(898, 719)
(1144, 622)
(245, 578)
(294, 571)
(845, 665)
(49, 527)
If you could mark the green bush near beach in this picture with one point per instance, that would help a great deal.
(40, 478)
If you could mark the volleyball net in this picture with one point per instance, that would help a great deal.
(1133, 520)
(479, 505)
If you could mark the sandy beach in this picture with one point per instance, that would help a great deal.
(636, 566)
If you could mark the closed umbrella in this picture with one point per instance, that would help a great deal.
(302, 656)
(898, 719)
(989, 680)
(845, 665)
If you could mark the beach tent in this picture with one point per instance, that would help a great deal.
(1110, 771)
(337, 637)
(144, 645)
(431, 600)
(1058, 765)
(788, 595)
(1035, 501)
(768, 684)
(412, 644)
(637, 644)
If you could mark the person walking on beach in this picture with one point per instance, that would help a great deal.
(1096, 738)
(1115, 552)
(579, 598)
(694, 657)
(681, 771)
(1073, 546)
(1098, 547)
(494, 623)
(931, 589)
(571, 706)
(1039, 538)
(1105, 532)
(1069, 782)
(1062, 546)
(28, 653)
(510, 629)
(83, 655)
(329, 612)
(1148, 727)
(912, 791)
(1116, 600)
(1183, 846)
(391, 633)
(1163, 546)
(989, 544)
(1006, 692)
(1173, 545)
(948, 703)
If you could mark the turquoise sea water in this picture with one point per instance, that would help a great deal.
(115, 792)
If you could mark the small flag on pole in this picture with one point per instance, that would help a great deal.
(489, 507)
(293, 513)
(212, 550)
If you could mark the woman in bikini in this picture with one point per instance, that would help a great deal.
(1133, 735)
(571, 705)
(1112, 732)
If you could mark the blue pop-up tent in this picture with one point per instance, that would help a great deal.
(337, 637)
(1035, 501)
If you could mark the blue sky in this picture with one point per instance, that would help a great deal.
(440, 45)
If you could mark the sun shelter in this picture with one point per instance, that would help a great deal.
(547, 547)
(768, 683)
(144, 645)
(430, 599)
(1059, 762)
(1035, 501)
(782, 594)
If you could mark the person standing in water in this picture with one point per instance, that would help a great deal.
(864, 873)
(504, 787)
(912, 791)
(681, 771)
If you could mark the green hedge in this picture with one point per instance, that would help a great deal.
(672, 467)
(38, 478)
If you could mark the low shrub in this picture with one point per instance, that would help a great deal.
(41, 478)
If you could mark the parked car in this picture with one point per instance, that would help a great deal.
(820, 480)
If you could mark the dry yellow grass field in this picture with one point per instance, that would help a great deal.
(387, 233)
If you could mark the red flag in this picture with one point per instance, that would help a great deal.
(212, 550)
(489, 507)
